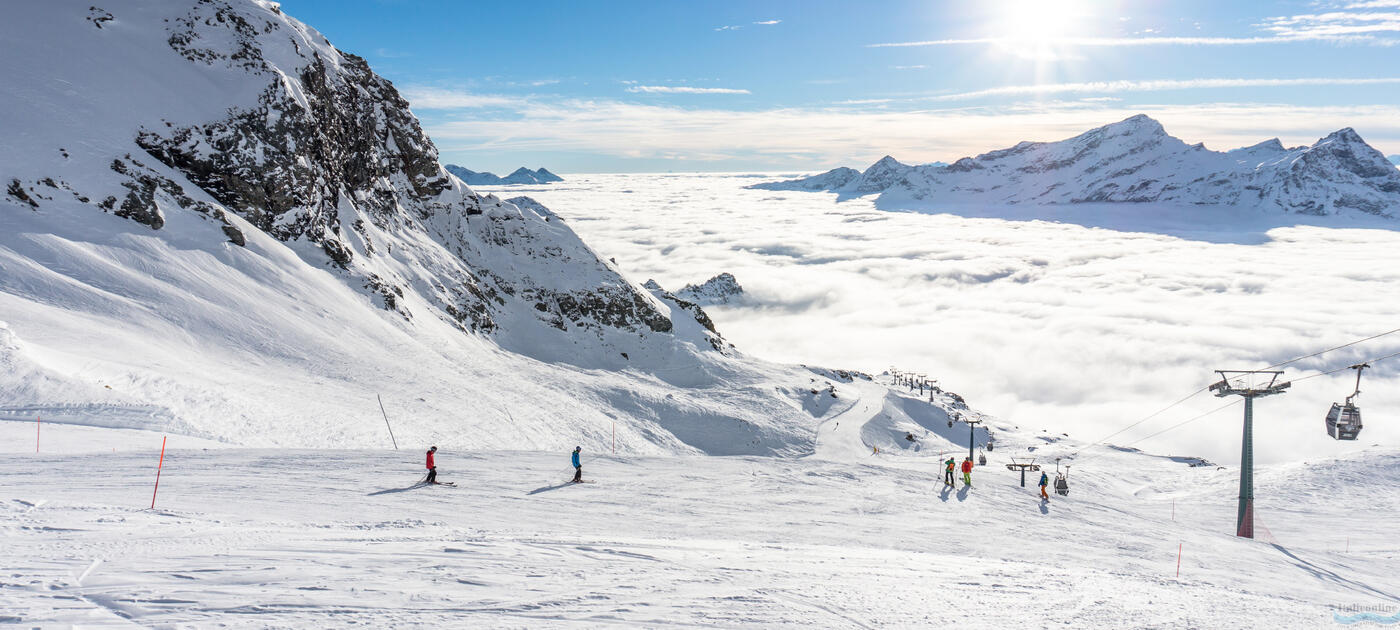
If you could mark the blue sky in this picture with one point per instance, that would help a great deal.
(812, 84)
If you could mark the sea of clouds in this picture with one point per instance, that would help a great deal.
(1080, 320)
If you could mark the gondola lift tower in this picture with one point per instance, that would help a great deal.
(1248, 384)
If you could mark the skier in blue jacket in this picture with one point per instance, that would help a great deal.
(578, 468)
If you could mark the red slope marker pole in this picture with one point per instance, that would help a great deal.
(1178, 559)
(158, 467)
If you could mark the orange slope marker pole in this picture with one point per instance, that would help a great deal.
(158, 467)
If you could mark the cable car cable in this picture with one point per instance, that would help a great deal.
(1309, 356)
(1237, 401)
(1186, 422)
(1276, 365)
(1153, 415)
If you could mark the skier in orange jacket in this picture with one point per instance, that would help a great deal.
(967, 472)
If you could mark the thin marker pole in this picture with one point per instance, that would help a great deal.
(386, 421)
(37, 422)
(159, 465)
(1178, 559)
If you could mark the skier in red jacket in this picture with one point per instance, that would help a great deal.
(967, 472)
(432, 467)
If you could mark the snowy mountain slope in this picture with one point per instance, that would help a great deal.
(1136, 161)
(842, 539)
(521, 175)
(218, 224)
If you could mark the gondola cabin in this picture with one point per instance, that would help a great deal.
(1344, 421)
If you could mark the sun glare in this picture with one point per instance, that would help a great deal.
(1036, 28)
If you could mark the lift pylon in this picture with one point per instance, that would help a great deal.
(1248, 384)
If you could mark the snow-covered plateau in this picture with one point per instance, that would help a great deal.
(289, 538)
(231, 261)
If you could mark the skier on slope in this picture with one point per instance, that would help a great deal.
(967, 472)
(1044, 481)
(578, 467)
(948, 468)
(432, 467)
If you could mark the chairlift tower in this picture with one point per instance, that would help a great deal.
(1248, 384)
(972, 436)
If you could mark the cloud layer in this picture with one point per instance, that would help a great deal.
(1050, 325)
(858, 133)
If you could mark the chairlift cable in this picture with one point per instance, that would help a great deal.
(1185, 422)
(1153, 415)
(1388, 356)
(1277, 365)
(1237, 401)
(1309, 356)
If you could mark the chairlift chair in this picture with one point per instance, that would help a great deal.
(1344, 420)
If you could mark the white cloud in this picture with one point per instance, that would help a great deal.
(667, 89)
(768, 22)
(1044, 324)
(1157, 85)
(733, 27)
(915, 67)
(857, 135)
(1146, 41)
(425, 98)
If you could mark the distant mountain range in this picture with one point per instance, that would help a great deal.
(521, 175)
(1136, 161)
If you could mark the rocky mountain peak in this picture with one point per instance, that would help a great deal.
(1134, 160)
(721, 289)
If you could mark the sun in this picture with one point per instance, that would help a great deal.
(1038, 28)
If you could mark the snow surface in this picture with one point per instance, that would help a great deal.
(1076, 319)
(843, 539)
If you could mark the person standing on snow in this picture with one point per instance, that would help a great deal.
(948, 468)
(578, 467)
(1044, 481)
(967, 472)
(432, 467)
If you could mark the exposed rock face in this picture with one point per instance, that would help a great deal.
(716, 340)
(721, 289)
(305, 144)
(1136, 161)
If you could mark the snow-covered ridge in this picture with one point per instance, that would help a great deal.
(1135, 160)
(216, 223)
(520, 175)
(311, 147)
